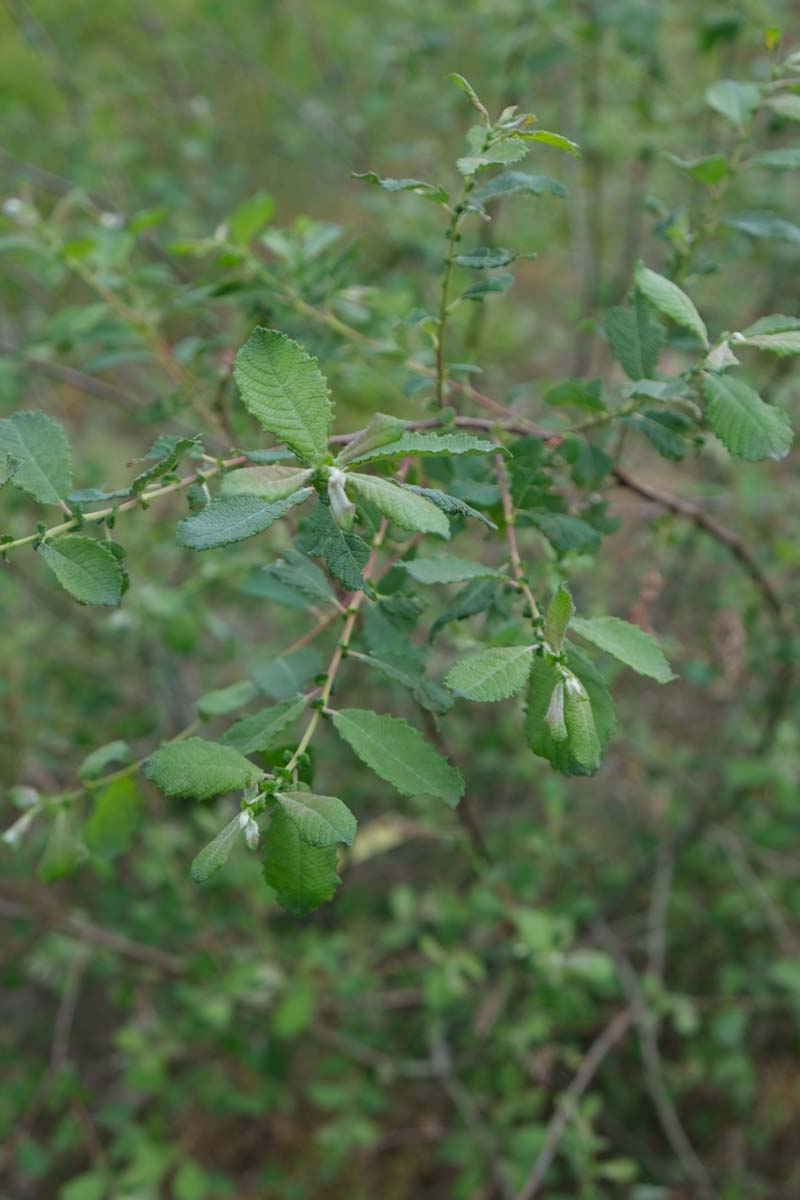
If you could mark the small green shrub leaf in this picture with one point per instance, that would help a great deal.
(745, 425)
(63, 852)
(283, 388)
(631, 645)
(431, 191)
(448, 569)
(268, 483)
(214, 856)
(635, 338)
(198, 769)
(86, 569)
(283, 677)
(42, 455)
(232, 519)
(400, 506)
(226, 700)
(452, 505)
(303, 876)
(670, 300)
(736, 101)
(320, 820)
(425, 445)
(560, 612)
(493, 674)
(398, 753)
(260, 730)
(115, 818)
(345, 554)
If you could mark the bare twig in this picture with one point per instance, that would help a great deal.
(600, 1048)
(667, 1113)
(726, 537)
(43, 912)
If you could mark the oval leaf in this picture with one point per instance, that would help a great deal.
(85, 568)
(670, 300)
(626, 642)
(284, 389)
(494, 674)
(320, 820)
(398, 753)
(199, 769)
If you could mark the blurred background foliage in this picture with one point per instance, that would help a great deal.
(419, 1036)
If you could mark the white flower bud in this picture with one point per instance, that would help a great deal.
(343, 509)
(15, 833)
(251, 832)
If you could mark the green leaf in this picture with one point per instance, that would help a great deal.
(298, 572)
(102, 758)
(250, 218)
(581, 393)
(709, 170)
(380, 431)
(42, 454)
(425, 445)
(560, 612)
(512, 183)
(635, 338)
(782, 344)
(786, 159)
(268, 483)
(398, 753)
(494, 674)
(787, 105)
(115, 818)
(226, 700)
(452, 505)
(579, 725)
(345, 554)
(488, 284)
(214, 856)
(665, 430)
(774, 323)
(568, 747)
(404, 508)
(283, 677)
(765, 225)
(259, 731)
(406, 670)
(745, 425)
(467, 87)
(320, 820)
(556, 140)
(484, 257)
(63, 852)
(476, 597)
(85, 568)
(199, 769)
(232, 519)
(447, 569)
(431, 191)
(566, 533)
(283, 388)
(668, 298)
(628, 643)
(503, 153)
(303, 876)
(736, 101)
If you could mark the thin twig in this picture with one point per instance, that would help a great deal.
(568, 1101)
(667, 1113)
(720, 533)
